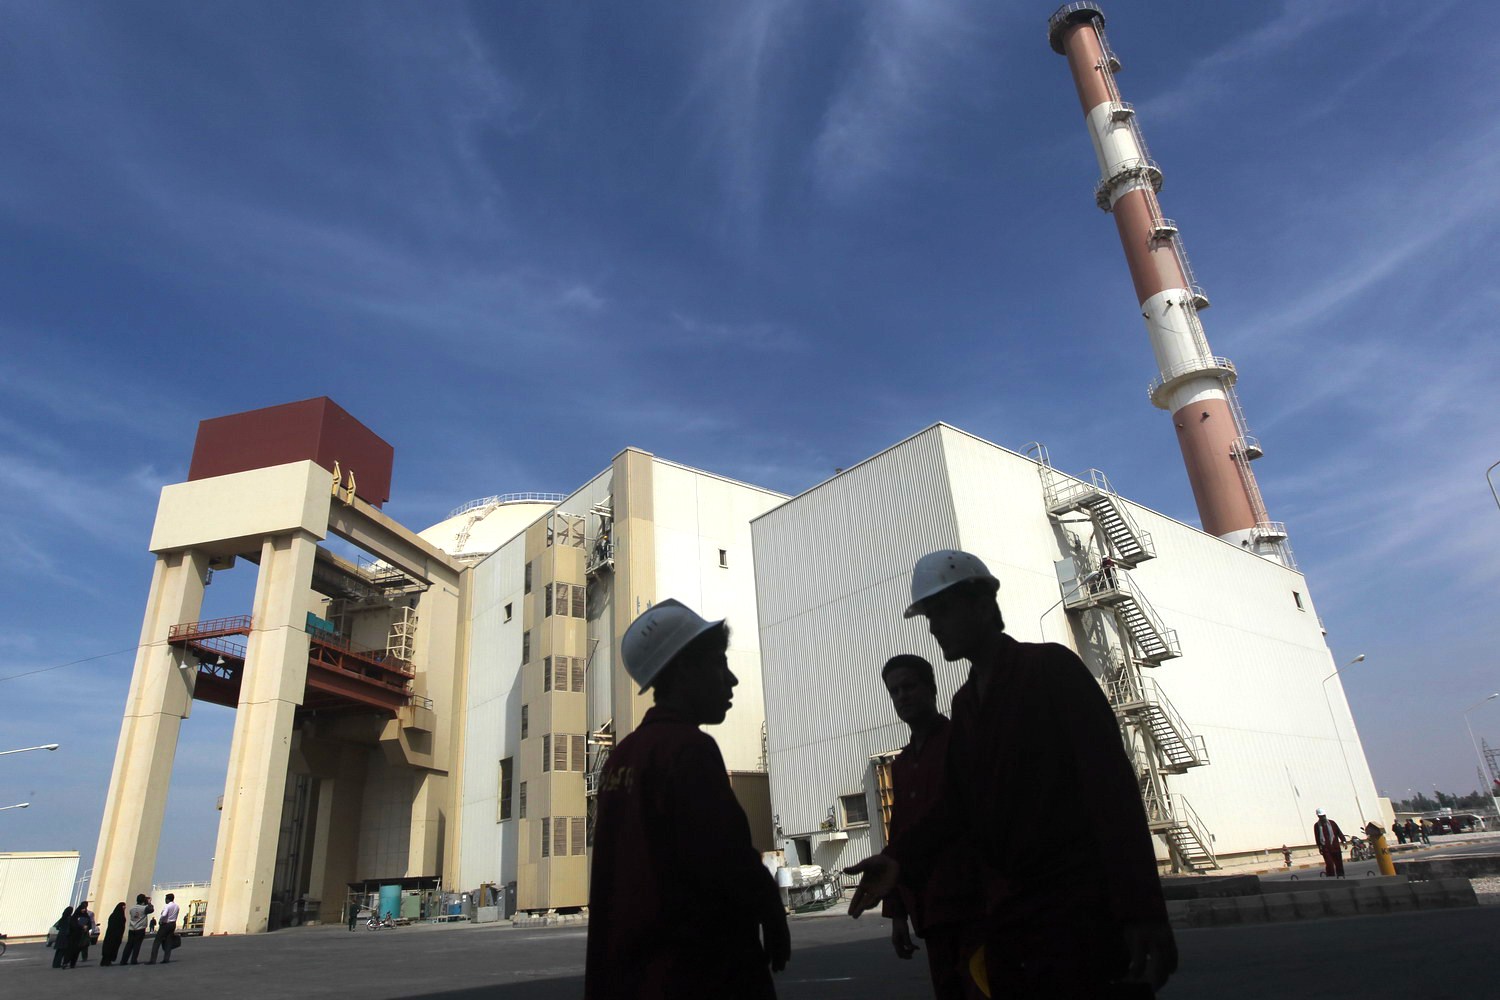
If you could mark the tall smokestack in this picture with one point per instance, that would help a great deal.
(1196, 387)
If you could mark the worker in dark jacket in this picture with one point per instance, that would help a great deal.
(1080, 911)
(947, 913)
(679, 903)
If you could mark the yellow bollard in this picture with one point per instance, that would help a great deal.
(1376, 833)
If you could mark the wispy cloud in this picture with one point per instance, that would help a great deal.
(908, 50)
(1215, 75)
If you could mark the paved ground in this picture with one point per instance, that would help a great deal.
(835, 957)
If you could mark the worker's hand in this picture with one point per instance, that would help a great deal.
(901, 938)
(776, 937)
(879, 873)
(1153, 953)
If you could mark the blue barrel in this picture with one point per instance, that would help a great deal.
(390, 901)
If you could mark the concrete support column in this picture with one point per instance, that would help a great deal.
(335, 847)
(160, 697)
(424, 847)
(272, 688)
(635, 570)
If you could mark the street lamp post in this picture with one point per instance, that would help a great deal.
(1342, 752)
(1479, 756)
(44, 746)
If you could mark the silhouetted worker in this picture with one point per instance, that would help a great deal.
(1400, 831)
(1076, 913)
(88, 923)
(948, 911)
(678, 899)
(1330, 841)
(65, 955)
(135, 933)
(353, 914)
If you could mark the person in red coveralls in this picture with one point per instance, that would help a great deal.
(1330, 840)
(946, 913)
(680, 905)
(1078, 912)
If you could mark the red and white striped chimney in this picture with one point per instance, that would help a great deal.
(1196, 387)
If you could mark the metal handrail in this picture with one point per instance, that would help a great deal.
(1189, 817)
(1152, 694)
(1136, 166)
(232, 623)
(500, 498)
(1119, 582)
(1202, 363)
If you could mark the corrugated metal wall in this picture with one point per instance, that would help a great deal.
(34, 889)
(832, 572)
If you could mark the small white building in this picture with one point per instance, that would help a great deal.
(1214, 657)
(35, 887)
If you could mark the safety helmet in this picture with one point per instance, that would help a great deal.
(1320, 812)
(659, 634)
(937, 571)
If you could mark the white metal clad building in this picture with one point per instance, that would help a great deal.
(832, 576)
(35, 887)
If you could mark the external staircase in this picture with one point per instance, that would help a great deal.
(1100, 582)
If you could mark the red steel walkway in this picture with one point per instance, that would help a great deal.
(339, 673)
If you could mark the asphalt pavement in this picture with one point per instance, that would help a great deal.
(834, 957)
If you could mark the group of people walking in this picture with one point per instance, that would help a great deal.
(1079, 913)
(77, 929)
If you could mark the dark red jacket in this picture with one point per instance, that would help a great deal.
(1044, 742)
(951, 894)
(677, 890)
(1326, 834)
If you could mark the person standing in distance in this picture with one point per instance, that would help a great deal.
(1080, 911)
(670, 835)
(947, 912)
(1330, 840)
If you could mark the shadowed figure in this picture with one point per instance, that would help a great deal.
(1078, 910)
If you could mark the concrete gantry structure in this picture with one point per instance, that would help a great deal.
(1194, 385)
(326, 719)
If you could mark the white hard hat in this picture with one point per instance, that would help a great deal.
(1320, 812)
(937, 571)
(659, 634)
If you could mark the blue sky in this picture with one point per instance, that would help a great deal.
(762, 238)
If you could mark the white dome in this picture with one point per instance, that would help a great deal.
(481, 526)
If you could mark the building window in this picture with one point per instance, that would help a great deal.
(546, 673)
(577, 673)
(577, 824)
(856, 812)
(579, 751)
(560, 836)
(526, 646)
(525, 720)
(507, 613)
(546, 751)
(521, 801)
(559, 753)
(1298, 598)
(578, 608)
(504, 811)
(546, 836)
(723, 558)
(526, 589)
